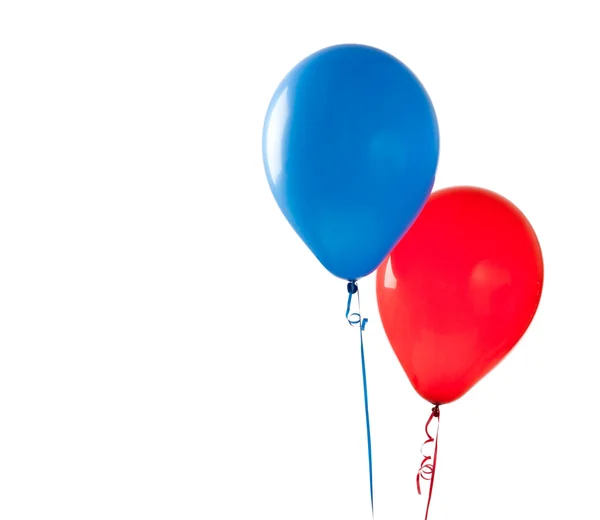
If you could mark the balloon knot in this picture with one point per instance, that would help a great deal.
(352, 287)
(435, 411)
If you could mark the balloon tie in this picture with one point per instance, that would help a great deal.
(427, 469)
(355, 319)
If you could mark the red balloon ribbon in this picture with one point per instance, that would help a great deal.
(427, 469)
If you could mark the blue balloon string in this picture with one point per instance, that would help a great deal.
(356, 319)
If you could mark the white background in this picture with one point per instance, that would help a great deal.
(170, 349)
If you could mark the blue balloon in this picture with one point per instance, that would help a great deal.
(350, 148)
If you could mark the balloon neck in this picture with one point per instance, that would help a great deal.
(352, 287)
(435, 411)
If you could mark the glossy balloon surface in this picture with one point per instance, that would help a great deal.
(350, 149)
(459, 290)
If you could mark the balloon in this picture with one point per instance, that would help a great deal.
(459, 290)
(350, 149)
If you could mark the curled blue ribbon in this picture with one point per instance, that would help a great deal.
(354, 319)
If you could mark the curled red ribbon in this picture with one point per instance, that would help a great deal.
(427, 469)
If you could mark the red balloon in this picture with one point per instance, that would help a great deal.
(459, 290)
